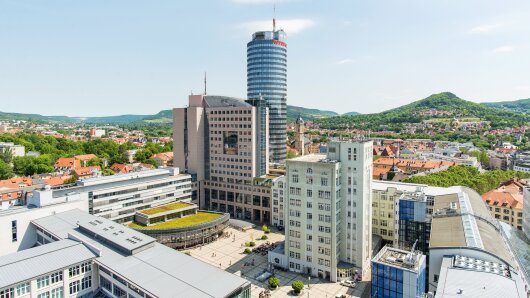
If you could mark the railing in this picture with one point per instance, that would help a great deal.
(224, 218)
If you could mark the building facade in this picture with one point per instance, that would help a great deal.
(118, 197)
(526, 213)
(398, 274)
(267, 78)
(506, 202)
(326, 210)
(217, 139)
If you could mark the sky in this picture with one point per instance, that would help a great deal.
(112, 57)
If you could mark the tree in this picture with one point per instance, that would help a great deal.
(274, 282)
(6, 155)
(297, 286)
(5, 170)
(108, 172)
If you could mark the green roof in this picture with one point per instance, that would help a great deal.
(164, 208)
(190, 220)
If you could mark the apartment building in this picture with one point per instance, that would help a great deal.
(222, 142)
(506, 202)
(80, 255)
(118, 197)
(14, 150)
(326, 210)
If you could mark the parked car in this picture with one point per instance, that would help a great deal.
(348, 283)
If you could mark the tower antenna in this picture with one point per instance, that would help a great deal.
(204, 83)
(274, 18)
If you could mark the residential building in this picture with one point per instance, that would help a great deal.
(217, 140)
(85, 158)
(398, 273)
(164, 159)
(87, 172)
(506, 202)
(66, 164)
(118, 197)
(80, 255)
(96, 132)
(326, 211)
(267, 78)
(411, 166)
(15, 150)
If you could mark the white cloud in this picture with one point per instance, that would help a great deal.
(487, 28)
(291, 26)
(346, 61)
(503, 49)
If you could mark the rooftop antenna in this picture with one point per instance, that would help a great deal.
(204, 83)
(274, 18)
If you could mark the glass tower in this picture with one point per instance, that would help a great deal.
(267, 76)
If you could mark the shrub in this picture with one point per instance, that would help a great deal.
(274, 282)
(297, 286)
(247, 244)
(264, 237)
(247, 250)
(264, 228)
(267, 231)
(252, 243)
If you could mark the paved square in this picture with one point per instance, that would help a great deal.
(227, 253)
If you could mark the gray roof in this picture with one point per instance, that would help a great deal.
(158, 270)
(214, 101)
(40, 260)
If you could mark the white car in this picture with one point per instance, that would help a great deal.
(348, 283)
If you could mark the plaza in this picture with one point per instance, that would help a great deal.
(228, 254)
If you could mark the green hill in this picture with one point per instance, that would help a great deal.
(307, 114)
(394, 119)
(521, 105)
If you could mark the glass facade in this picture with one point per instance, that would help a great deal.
(267, 78)
(388, 282)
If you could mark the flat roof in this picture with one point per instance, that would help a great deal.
(157, 270)
(398, 258)
(164, 208)
(458, 282)
(186, 221)
(27, 264)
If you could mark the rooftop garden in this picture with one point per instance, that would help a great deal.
(165, 208)
(191, 220)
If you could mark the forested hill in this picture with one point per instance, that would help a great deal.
(522, 105)
(446, 104)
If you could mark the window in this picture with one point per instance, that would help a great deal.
(86, 282)
(57, 293)
(75, 286)
(23, 289)
(57, 277)
(324, 181)
(7, 293)
(86, 267)
(43, 282)
(105, 283)
(14, 231)
(119, 292)
(295, 178)
(309, 193)
(73, 271)
(309, 171)
(44, 295)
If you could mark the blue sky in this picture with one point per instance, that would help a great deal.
(95, 58)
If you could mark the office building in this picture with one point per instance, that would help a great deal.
(118, 197)
(398, 273)
(217, 140)
(413, 225)
(267, 78)
(326, 211)
(81, 255)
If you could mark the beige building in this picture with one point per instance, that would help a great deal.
(222, 142)
(324, 203)
(506, 202)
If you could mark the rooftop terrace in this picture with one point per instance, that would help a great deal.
(191, 220)
(165, 208)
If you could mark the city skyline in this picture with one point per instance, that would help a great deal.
(373, 56)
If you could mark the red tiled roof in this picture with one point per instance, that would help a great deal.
(85, 156)
(86, 171)
(503, 199)
(15, 182)
(67, 162)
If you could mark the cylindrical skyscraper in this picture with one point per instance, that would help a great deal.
(267, 76)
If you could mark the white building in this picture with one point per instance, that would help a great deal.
(326, 211)
(16, 150)
(80, 255)
(18, 233)
(118, 197)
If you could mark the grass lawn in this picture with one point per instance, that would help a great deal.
(164, 208)
(199, 218)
